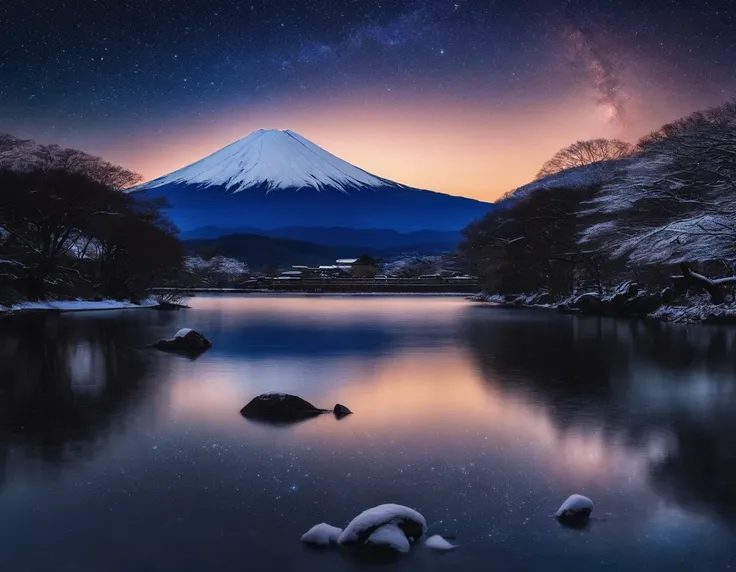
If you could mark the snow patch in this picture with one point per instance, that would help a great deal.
(183, 332)
(436, 542)
(322, 534)
(78, 305)
(389, 536)
(273, 394)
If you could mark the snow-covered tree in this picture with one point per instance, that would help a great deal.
(675, 201)
(413, 266)
(217, 269)
(584, 153)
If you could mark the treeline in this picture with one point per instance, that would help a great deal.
(664, 206)
(68, 230)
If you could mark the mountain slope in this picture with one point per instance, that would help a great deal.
(274, 179)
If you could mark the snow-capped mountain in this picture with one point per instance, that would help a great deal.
(273, 179)
(274, 160)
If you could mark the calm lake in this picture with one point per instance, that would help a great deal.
(116, 457)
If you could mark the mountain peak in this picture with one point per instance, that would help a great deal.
(273, 159)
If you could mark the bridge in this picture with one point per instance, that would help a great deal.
(342, 285)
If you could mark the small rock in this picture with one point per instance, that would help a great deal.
(341, 411)
(186, 341)
(575, 507)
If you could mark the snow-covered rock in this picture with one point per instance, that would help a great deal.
(576, 506)
(322, 534)
(436, 542)
(410, 522)
(389, 536)
(186, 341)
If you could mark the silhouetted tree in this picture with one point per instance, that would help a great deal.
(66, 227)
(584, 153)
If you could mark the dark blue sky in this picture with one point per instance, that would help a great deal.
(101, 74)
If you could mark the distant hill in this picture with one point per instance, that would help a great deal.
(263, 251)
(342, 236)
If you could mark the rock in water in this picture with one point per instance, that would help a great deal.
(410, 522)
(279, 407)
(322, 534)
(436, 542)
(576, 507)
(389, 536)
(186, 341)
(341, 411)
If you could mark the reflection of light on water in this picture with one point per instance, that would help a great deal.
(86, 369)
(335, 309)
(694, 389)
(414, 403)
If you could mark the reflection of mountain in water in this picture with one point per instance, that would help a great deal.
(631, 378)
(64, 381)
(292, 338)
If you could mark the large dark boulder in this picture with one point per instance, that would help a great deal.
(186, 341)
(279, 407)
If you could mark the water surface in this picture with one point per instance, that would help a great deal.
(115, 457)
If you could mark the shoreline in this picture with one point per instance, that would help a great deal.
(706, 313)
(75, 306)
(65, 306)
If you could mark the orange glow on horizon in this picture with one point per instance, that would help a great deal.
(468, 147)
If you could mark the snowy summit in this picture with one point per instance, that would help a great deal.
(273, 159)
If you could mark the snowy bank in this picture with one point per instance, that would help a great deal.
(77, 305)
(697, 314)
(626, 300)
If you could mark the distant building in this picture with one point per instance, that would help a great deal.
(346, 261)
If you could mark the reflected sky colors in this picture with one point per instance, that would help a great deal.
(454, 415)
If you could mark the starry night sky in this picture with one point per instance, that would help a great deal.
(461, 96)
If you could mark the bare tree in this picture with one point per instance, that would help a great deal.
(584, 153)
(26, 155)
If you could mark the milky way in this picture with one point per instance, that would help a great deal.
(463, 96)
